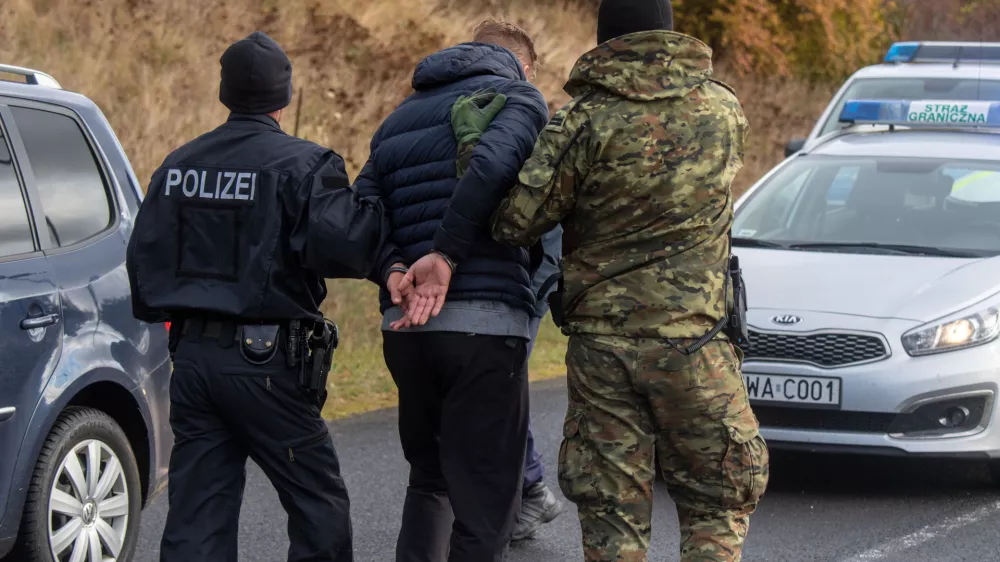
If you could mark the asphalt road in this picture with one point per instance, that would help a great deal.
(818, 508)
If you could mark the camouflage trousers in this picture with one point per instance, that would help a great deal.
(630, 399)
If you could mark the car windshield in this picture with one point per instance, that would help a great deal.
(913, 89)
(922, 206)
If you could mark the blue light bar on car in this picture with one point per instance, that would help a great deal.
(950, 52)
(902, 52)
(923, 113)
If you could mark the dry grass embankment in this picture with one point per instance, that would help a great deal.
(152, 66)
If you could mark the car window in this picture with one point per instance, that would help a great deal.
(952, 205)
(15, 230)
(74, 197)
(913, 89)
(775, 215)
(974, 186)
(840, 188)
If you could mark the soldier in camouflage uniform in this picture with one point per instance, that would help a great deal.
(637, 168)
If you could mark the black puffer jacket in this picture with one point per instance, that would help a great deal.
(412, 168)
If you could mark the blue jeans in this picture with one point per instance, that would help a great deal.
(534, 471)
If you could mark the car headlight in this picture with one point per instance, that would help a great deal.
(954, 334)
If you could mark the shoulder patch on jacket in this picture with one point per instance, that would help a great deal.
(558, 121)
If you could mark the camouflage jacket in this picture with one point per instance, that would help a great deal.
(637, 168)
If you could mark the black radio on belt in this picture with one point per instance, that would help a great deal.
(736, 327)
(296, 350)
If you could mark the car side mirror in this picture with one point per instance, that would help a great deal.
(794, 146)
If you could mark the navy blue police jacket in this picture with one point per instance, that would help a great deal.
(412, 168)
(245, 222)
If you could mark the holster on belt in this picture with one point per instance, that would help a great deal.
(318, 358)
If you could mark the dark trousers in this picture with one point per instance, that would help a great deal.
(463, 421)
(224, 410)
(534, 470)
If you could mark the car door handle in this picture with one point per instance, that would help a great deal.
(35, 322)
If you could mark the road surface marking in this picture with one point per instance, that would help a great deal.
(930, 532)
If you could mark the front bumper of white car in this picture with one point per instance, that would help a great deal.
(894, 404)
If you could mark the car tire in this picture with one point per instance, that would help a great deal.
(85, 449)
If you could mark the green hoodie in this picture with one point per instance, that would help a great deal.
(637, 168)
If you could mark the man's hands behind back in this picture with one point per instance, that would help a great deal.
(421, 292)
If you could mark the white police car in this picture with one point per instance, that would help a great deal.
(917, 71)
(872, 262)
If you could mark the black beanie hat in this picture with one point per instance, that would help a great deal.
(256, 76)
(621, 17)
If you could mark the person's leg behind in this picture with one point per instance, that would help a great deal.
(207, 470)
(483, 436)
(534, 470)
(538, 504)
(287, 437)
(425, 532)
(713, 458)
(606, 457)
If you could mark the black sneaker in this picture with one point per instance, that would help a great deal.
(538, 506)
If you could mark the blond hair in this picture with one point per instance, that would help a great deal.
(498, 31)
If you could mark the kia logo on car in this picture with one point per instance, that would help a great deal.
(786, 319)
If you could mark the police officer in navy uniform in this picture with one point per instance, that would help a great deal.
(231, 245)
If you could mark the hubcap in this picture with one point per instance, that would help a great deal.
(88, 505)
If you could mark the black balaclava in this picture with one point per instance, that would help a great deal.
(621, 17)
(256, 76)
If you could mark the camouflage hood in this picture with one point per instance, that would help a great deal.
(645, 66)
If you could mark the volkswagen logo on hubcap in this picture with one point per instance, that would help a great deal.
(89, 513)
(786, 319)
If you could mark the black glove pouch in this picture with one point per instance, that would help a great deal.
(259, 343)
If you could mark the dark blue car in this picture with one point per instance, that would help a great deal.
(84, 433)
